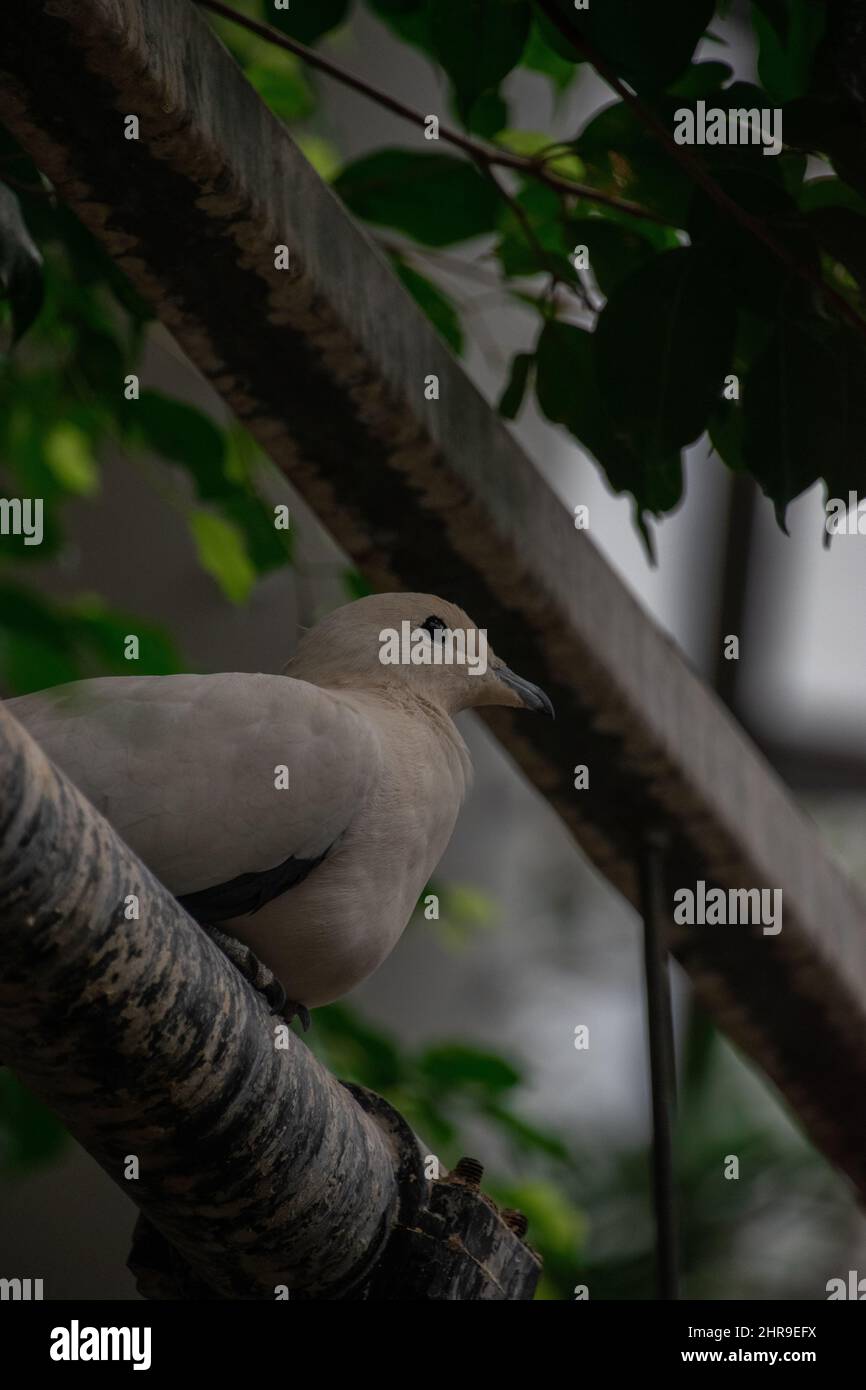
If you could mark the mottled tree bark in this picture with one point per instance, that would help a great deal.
(255, 1164)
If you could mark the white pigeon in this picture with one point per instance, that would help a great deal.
(303, 812)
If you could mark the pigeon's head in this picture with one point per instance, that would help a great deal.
(415, 641)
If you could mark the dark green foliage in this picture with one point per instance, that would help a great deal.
(788, 36)
(645, 383)
(625, 159)
(569, 393)
(486, 116)
(43, 643)
(787, 443)
(545, 52)
(435, 198)
(754, 273)
(410, 20)
(29, 1134)
(478, 42)
(648, 44)
(647, 378)
(63, 398)
(776, 12)
(436, 305)
(616, 249)
(663, 345)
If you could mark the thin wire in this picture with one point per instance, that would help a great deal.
(531, 166)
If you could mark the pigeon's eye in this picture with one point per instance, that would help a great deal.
(433, 625)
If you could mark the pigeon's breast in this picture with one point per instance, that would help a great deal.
(327, 934)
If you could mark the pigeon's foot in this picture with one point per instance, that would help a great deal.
(247, 963)
(298, 1011)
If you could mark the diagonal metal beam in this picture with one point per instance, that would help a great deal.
(326, 364)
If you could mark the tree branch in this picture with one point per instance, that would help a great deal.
(253, 1167)
(479, 152)
(253, 1162)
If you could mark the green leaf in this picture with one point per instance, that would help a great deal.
(410, 20)
(567, 390)
(20, 265)
(69, 455)
(830, 192)
(306, 20)
(453, 1065)
(100, 631)
(319, 152)
(541, 208)
(555, 39)
(183, 434)
(287, 93)
(547, 248)
(357, 1051)
(616, 250)
(662, 347)
(478, 42)
(215, 461)
(805, 409)
(564, 371)
(223, 555)
(436, 305)
(30, 662)
(532, 142)
(24, 612)
(726, 427)
(776, 11)
(539, 56)
(785, 60)
(512, 397)
(648, 44)
(753, 272)
(792, 165)
(702, 80)
(842, 234)
(356, 585)
(623, 158)
(267, 547)
(30, 1134)
(44, 643)
(466, 906)
(487, 116)
(525, 1137)
(434, 198)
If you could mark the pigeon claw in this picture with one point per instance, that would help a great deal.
(262, 979)
(298, 1011)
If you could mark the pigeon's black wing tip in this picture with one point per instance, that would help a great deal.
(248, 893)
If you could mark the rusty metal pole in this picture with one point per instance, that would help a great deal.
(662, 1063)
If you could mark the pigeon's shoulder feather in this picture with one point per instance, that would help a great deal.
(192, 770)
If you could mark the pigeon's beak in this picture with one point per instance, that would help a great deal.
(531, 695)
